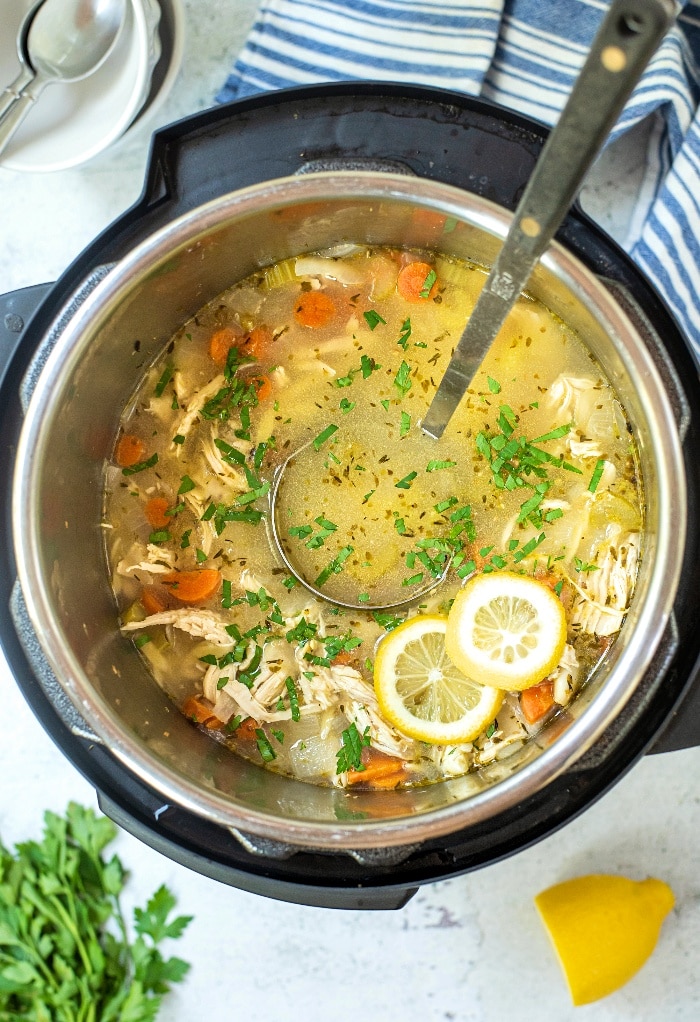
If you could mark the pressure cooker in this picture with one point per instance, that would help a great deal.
(341, 162)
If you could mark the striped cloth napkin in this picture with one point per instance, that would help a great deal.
(523, 54)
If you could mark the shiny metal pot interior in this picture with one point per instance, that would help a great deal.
(76, 401)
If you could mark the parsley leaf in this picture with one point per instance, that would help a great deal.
(349, 755)
(65, 942)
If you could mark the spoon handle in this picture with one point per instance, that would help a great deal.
(619, 53)
(14, 89)
(15, 112)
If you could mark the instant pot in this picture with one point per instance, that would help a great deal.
(260, 179)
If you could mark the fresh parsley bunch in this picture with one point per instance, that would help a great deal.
(65, 952)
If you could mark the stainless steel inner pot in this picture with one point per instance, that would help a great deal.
(73, 415)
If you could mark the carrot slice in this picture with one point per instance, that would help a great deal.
(344, 658)
(314, 309)
(197, 710)
(381, 771)
(414, 282)
(155, 512)
(535, 702)
(263, 386)
(151, 601)
(193, 586)
(257, 342)
(246, 729)
(129, 450)
(221, 342)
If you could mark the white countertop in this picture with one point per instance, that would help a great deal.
(469, 949)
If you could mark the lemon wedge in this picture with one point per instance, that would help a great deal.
(506, 630)
(422, 693)
(603, 929)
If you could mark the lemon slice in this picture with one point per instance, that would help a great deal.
(506, 630)
(603, 929)
(422, 693)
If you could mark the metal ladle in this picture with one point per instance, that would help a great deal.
(66, 41)
(619, 54)
(620, 51)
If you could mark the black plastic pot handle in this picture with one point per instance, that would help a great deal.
(262, 883)
(16, 309)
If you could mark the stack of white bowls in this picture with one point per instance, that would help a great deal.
(74, 122)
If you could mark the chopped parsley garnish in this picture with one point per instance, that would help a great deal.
(140, 466)
(185, 541)
(179, 438)
(164, 380)
(494, 385)
(597, 475)
(302, 632)
(387, 621)
(405, 483)
(305, 532)
(582, 566)
(222, 514)
(445, 505)
(436, 466)
(324, 435)
(368, 366)
(413, 580)
(226, 594)
(405, 424)
(186, 484)
(264, 747)
(160, 536)
(293, 698)
(231, 455)
(346, 406)
(427, 284)
(405, 334)
(491, 729)
(402, 380)
(142, 639)
(373, 319)
(517, 462)
(335, 566)
(261, 450)
(349, 756)
(200, 556)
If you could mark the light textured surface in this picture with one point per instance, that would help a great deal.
(469, 949)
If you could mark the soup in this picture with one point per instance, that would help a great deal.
(326, 365)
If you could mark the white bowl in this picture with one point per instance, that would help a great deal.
(171, 31)
(71, 123)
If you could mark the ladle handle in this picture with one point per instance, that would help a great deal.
(619, 54)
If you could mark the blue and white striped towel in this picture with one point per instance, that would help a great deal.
(524, 54)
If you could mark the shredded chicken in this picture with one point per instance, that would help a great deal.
(233, 478)
(565, 676)
(145, 560)
(602, 595)
(195, 406)
(202, 624)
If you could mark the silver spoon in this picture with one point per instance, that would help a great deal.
(26, 74)
(620, 51)
(67, 41)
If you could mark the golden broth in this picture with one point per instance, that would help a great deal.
(331, 363)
